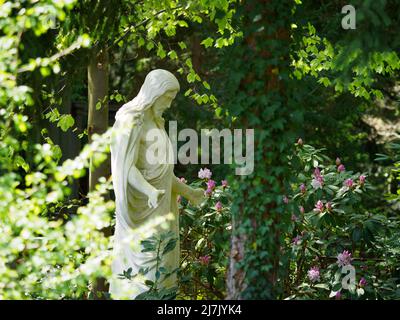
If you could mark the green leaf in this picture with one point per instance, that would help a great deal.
(172, 54)
(160, 51)
(183, 23)
(170, 246)
(65, 122)
(208, 42)
(322, 286)
(182, 45)
(141, 42)
(206, 85)
(189, 63)
(20, 162)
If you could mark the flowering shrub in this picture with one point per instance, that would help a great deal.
(335, 248)
(205, 234)
(338, 248)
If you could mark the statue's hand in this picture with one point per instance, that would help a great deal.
(153, 198)
(197, 197)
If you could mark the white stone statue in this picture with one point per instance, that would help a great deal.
(145, 192)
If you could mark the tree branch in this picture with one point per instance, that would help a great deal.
(131, 28)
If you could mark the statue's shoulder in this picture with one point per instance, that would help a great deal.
(127, 114)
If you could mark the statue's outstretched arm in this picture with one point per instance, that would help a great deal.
(195, 196)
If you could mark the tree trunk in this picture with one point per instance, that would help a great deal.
(97, 124)
(98, 109)
(235, 277)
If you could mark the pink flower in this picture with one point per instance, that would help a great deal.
(205, 260)
(300, 142)
(362, 179)
(338, 162)
(328, 206)
(313, 274)
(362, 282)
(296, 240)
(344, 258)
(341, 168)
(285, 199)
(318, 180)
(338, 295)
(218, 206)
(205, 173)
(303, 188)
(301, 208)
(224, 183)
(317, 183)
(183, 180)
(294, 217)
(208, 192)
(349, 183)
(319, 206)
(211, 184)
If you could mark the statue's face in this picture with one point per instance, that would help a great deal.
(163, 103)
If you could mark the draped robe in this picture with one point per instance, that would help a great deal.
(135, 220)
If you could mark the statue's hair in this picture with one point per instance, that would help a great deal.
(156, 84)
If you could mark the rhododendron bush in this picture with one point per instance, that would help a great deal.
(335, 247)
(338, 248)
(205, 234)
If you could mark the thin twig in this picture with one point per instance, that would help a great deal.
(54, 57)
(131, 28)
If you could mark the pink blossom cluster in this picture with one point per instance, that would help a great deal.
(349, 183)
(362, 282)
(296, 240)
(320, 207)
(210, 187)
(205, 173)
(218, 206)
(344, 258)
(314, 274)
(204, 260)
(285, 200)
(340, 166)
(318, 180)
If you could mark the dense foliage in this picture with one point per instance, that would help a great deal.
(332, 228)
(284, 68)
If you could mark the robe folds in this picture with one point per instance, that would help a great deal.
(135, 220)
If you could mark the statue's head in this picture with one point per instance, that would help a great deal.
(158, 90)
(164, 102)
